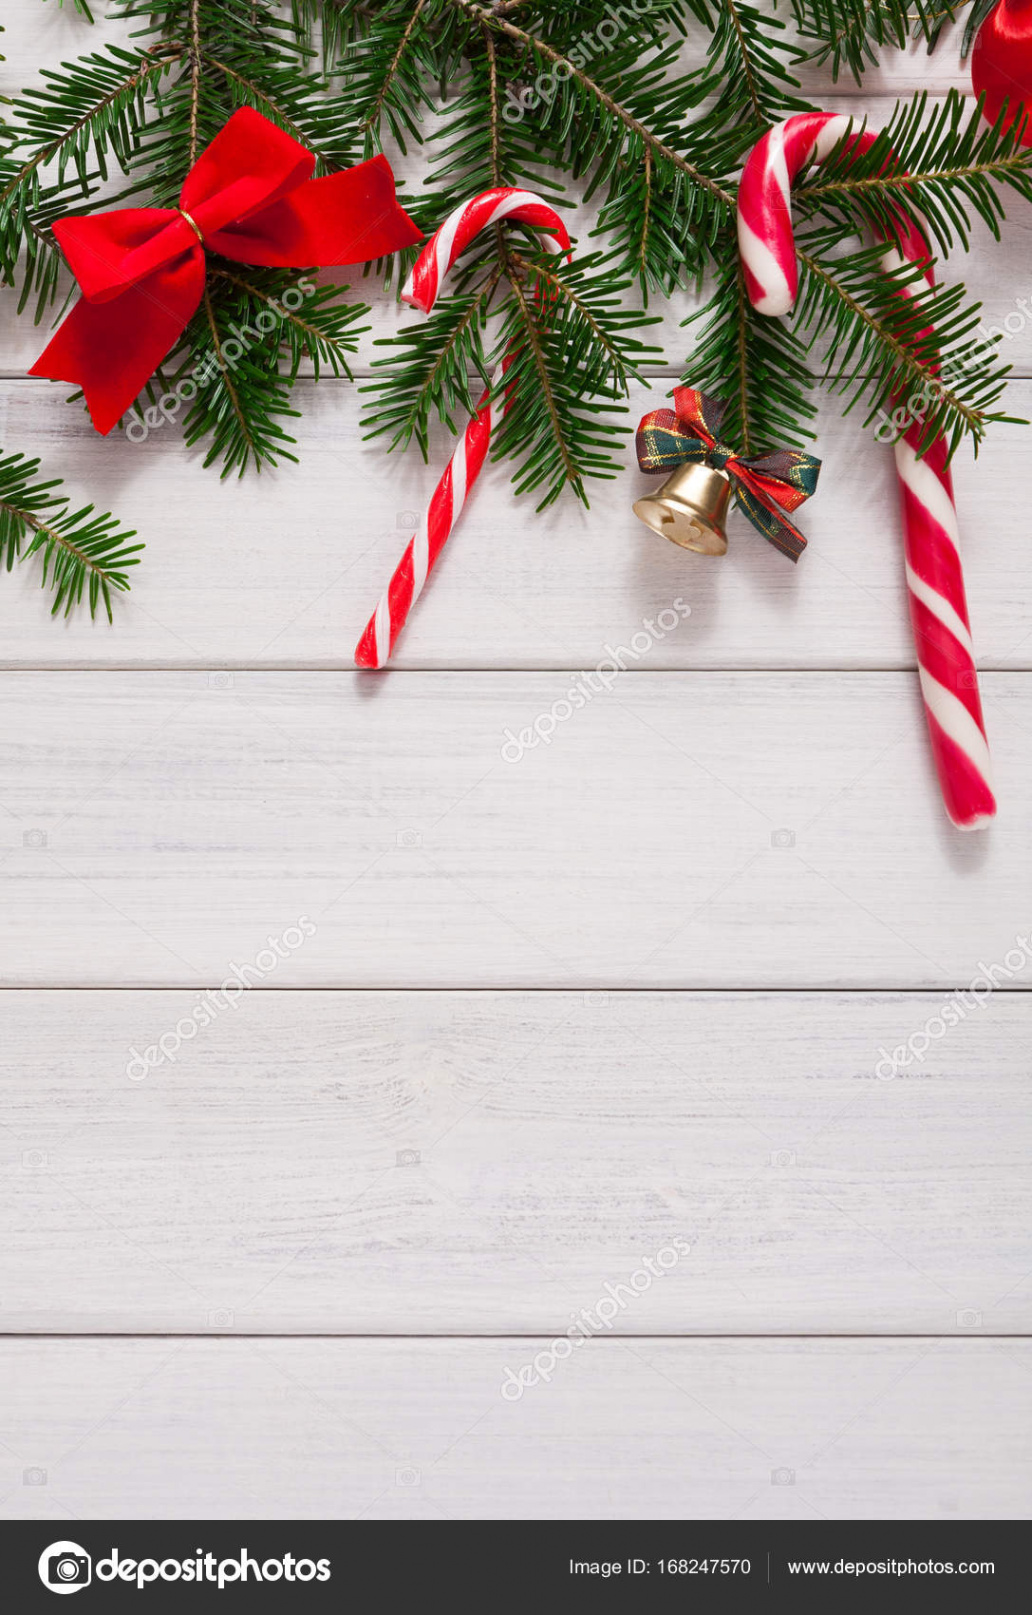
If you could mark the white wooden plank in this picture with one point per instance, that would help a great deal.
(284, 569)
(226, 1429)
(688, 830)
(488, 1163)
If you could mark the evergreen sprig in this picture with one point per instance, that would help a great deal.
(848, 33)
(139, 118)
(928, 333)
(759, 367)
(944, 161)
(566, 360)
(587, 101)
(84, 555)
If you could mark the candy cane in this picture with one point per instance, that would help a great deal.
(935, 582)
(421, 291)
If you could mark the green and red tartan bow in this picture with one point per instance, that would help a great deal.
(765, 485)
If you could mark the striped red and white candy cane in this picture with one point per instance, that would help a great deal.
(935, 581)
(421, 290)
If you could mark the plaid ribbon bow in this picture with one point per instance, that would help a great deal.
(765, 485)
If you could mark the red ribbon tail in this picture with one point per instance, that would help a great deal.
(111, 350)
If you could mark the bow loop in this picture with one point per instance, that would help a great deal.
(251, 197)
(765, 485)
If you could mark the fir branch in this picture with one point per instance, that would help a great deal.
(430, 373)
(758, 366)
(746, 431)
(234, 427)
(102, 121)
(568, 354)
(327, 333)
(750, 72)
(84, 555)
(153, 111)
(848, 33)
(641, 257)
(372, 118)
(87, 113)
(262, 99)
(194, 60)
(892, 337)
(386, 60)
(543, 96)
(539, 46)
(493, 107)
(947, 165)
(525, 336)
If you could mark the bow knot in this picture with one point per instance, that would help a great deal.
(718, 456)
(765, 485)
(251, 197)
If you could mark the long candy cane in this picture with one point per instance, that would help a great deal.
(421, 290)
(935, 582)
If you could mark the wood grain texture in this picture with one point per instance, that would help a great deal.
(685, 830)
(480, 1163)
(282, 570)
(692, 828)
(651, 1429)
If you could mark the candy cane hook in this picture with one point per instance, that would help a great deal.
(935, 581)
(421, 291)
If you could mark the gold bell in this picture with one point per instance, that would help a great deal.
(690, 508)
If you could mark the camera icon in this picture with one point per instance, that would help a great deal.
(968, 681)
(33, 1160)
(596, 1000)
(782, 838)
(221, 1318)
(406, 519)
(407, 1477)
(34, 1477)
(782, 1157)
(34, 838)
(409, 838)
(65, 1567)
(407, 1158)
(220, 681)
(782, 1477)
(968, 1318)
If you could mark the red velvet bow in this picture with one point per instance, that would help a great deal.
(250, 197)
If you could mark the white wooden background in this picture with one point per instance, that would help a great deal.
(554, 1014)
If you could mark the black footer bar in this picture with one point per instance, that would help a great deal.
(152, 1565)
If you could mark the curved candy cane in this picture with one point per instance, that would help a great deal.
(935, 582)
(421, 290)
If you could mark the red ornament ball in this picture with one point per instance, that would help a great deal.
(1001, 64)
